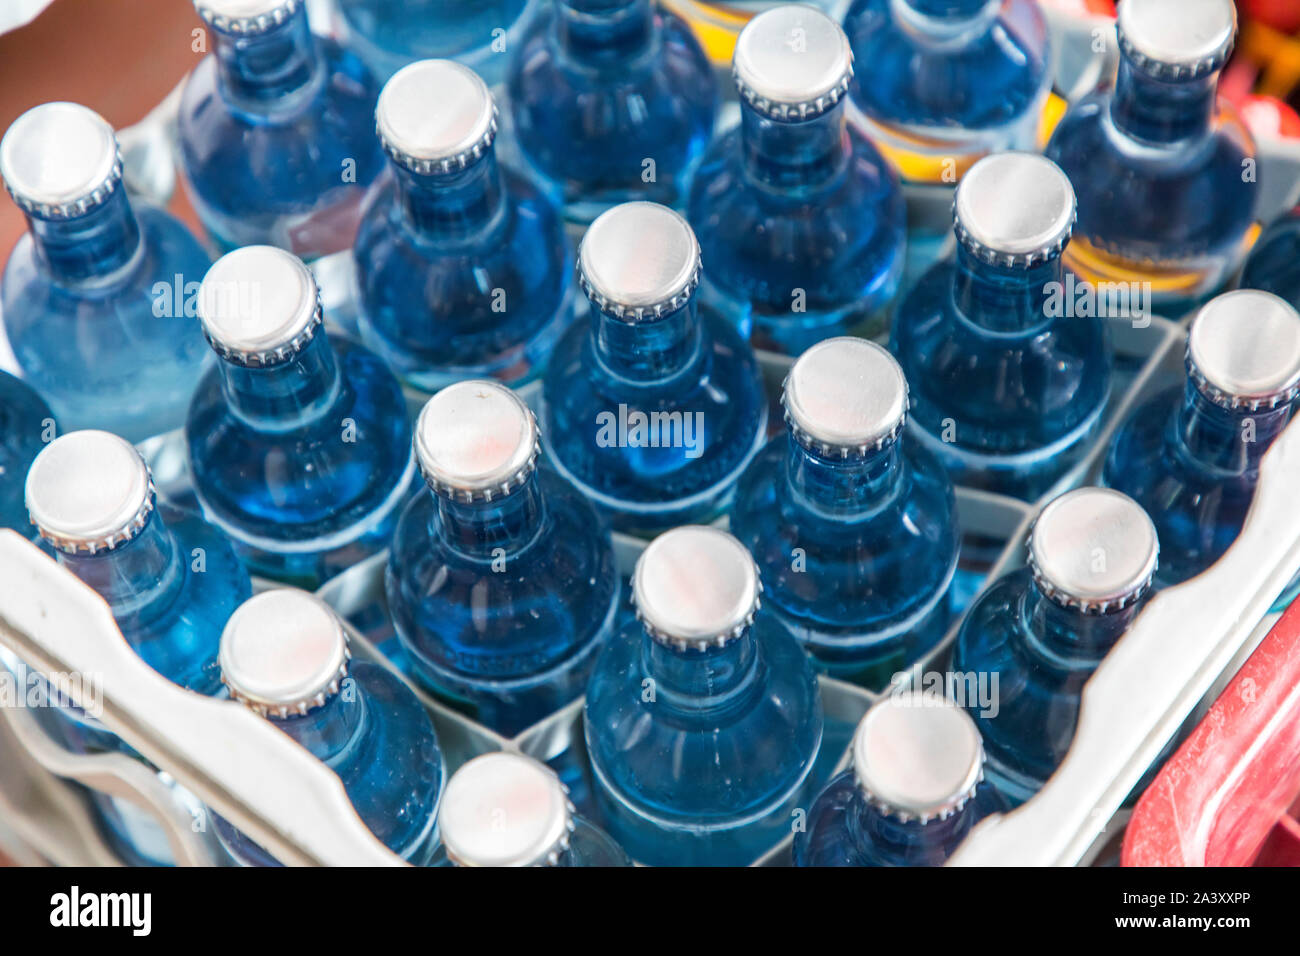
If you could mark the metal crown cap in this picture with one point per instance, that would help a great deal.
(246, 16)
(89, 491)
(792, 63)
(695, 587)
(283, 652)
(1177, 39)
(60, 160)
(1014, 209)
(1243, 350)
(845, 396)
(259, 305)
(1093, 549)
(476, 441)
(639, 260)
(505, 809)
(436, 117)
(917, 757)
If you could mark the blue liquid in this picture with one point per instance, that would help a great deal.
(611, 101)
(502, 606)
(467, 275)
(856, 554)
(843, 829)
(25, 424)
(683, 363)
(378, 738)
(1006, 395)
(277, 139)
(1184, 459)
(99, 311)
(305, 464)
(1274, 263)
(709, 771)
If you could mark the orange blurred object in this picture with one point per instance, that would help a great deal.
(1282, 15)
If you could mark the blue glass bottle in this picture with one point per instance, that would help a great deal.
(298, 444)
(1274, 262)
(389, 34)
(464, 268)
(853, 527)
(285, 655)
(501, 582)
(703, 719)
(170, 579)
(1044, 629)
(945, 82)
(1009, 376)
(505, 809)
(611, 100)
(655, 408)
(97, 297)
(1163, 169)
(276, 131)
(1190, 455)
(801, 223)
(26, 425)
(916, 788)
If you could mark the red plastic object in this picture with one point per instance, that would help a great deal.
(1230, 796)
(1080, 8)
(1267, 116)
(1282, 15)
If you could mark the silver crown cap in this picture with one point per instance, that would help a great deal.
(695, 587)
(246, 16)
(259, 305)
(917, 757)
(60, 160)
(845, 396)
(505, 809)
(1093, 549)
(1014, 209)
(792, 63)
(1177, 39)
(1243, 350)
(283, 652)
(89, 491)
(436, 117)
(638, 261)
(476, 441)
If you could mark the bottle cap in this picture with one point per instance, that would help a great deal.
(283, 652)
(792, 62)
(246, 16)
(476, 441)
(1093, 549)
(695, 587)
(1243, 350)
(258, 305)
(917, 756)
(1177, 39)
(1014, 209)
(89, 491)
(505, 809)
(845, 396)
(60, 160)
(436, 116)
(638, 261)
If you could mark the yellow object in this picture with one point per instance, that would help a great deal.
(1096, 265)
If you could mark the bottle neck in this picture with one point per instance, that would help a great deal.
(881, 836)
(455, 206)
(946, 23)
(1159, 111)
(843, 488)
(605, 34)
(1227, 440)
(1000, 298)
(90, 247)
(710, 681)
(283, 396)
(259, 71)
(327, 731)
(137, 577)
(791, 156)
(1071, 634)
(493, 530)
(650, 350)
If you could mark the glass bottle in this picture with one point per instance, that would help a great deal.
(26, 426)
(501, 582)
(1274, 262)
